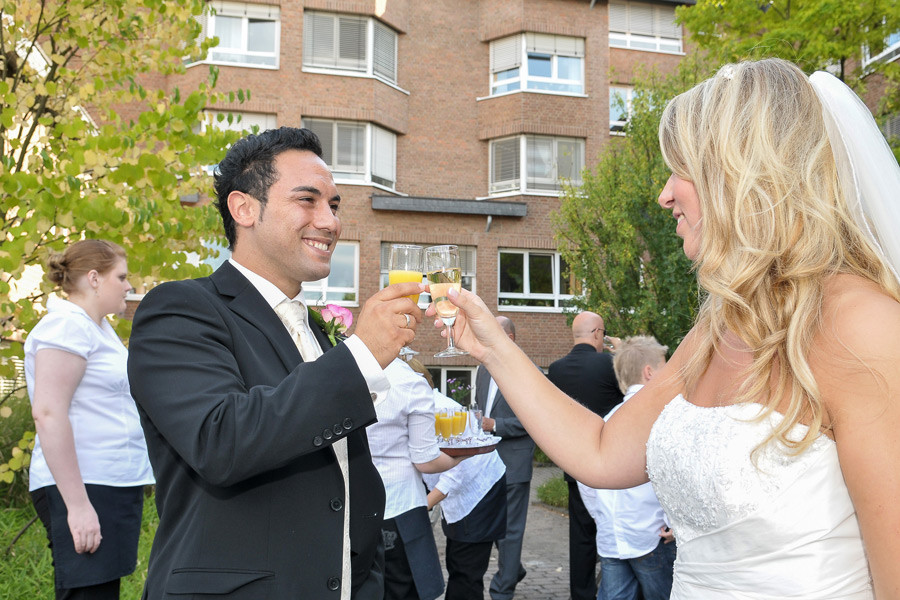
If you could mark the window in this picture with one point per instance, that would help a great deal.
(534, 279)
(342, 284)
(248, 33)
(466, 264)
(887, 52)
(619, 107)
(357, 151)
(453, 381)
(641, 26)
(341, 42)
(537, 61)
(544, 161)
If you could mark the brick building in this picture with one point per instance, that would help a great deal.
(446, 122)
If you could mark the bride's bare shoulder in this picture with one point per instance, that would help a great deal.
(858, 343)
(855, 309)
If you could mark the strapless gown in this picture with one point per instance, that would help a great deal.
(781, 526)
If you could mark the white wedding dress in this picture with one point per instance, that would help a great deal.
(783, 527)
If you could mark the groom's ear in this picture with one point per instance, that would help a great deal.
(244, 208)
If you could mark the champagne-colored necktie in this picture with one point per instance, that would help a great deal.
(293, 314)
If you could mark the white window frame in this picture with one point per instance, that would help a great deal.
(441, 382)
(316, 292)
(658, 34)
(245, 12)
(523, 183)
(468, 256)
(377, 142)
(617, 127)
(559, 300)
(890, 53)
(512, 53)
(380, 60)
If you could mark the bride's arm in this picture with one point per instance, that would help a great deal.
(600, 455)
(858, 370)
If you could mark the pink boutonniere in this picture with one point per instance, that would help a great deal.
(334, 319)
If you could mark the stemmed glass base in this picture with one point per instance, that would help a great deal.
(451, 349)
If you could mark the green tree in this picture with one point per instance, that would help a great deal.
(815, 34)
(90, 148)
(615, 237)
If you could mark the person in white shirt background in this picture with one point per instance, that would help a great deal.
(403, 446)
(90, 464)
(472, 497)
(634, 541)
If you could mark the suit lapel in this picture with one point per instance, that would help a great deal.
(320, 334)
(245, 301)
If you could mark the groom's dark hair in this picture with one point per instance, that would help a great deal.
(249, 167)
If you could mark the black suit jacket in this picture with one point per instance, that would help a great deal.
(516, 448)
(249, 491)
(587, 376)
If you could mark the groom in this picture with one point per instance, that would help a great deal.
(265, 484)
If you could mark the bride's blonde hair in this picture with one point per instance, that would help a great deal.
(775, 225)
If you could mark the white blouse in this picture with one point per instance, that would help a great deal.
(109, 441)
(403, 435)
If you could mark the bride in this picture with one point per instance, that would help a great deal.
(771, 437)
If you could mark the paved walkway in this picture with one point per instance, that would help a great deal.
(546, 548)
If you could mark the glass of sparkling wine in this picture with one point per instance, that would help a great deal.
(443, 273)
(406, 266)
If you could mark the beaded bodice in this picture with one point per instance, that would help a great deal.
(704, 469)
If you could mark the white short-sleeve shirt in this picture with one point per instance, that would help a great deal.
(403, 435)
(109, 440)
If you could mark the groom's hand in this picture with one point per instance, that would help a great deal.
(388, 321)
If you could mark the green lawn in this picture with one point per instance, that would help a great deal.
(26, 572)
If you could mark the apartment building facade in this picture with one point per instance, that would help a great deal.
(445, 122)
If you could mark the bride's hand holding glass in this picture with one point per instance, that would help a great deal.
(476, 329)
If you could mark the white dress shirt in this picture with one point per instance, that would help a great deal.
(629, 520)
(109, 440)
(469, 481)
(491, 396)
(403, 435)
(375, 380)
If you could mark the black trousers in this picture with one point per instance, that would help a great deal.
(582, 548)
(470, 541)
(467, 562)
(398, 577)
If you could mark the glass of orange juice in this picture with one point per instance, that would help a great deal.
(444, 423)
(406, 266)
(459, 422)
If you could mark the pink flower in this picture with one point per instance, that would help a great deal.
(341, 318)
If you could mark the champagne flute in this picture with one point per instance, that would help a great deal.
(406, 266)
(443, 273)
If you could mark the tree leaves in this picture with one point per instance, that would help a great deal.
(89, 149)
(615, 237)
(815, 34)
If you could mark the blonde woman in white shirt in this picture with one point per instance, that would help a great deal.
(89, 465)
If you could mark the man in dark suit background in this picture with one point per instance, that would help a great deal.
(265, 484)
(585, 374)
(516, 449)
